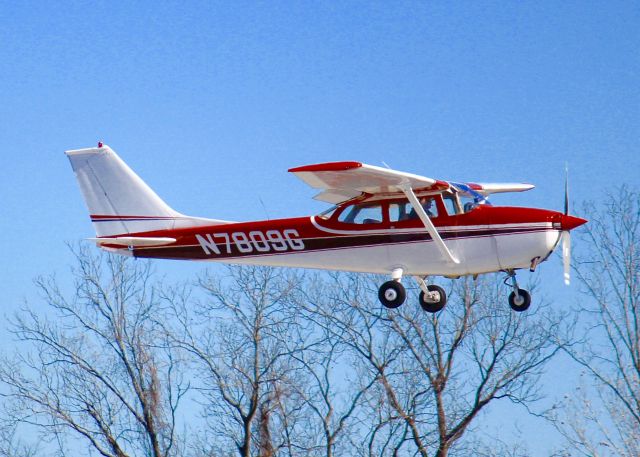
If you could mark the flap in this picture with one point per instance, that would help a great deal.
(336, 196)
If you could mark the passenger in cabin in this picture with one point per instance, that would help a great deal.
(427, 205)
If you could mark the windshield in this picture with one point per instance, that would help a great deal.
(326, 214)
(469, 198)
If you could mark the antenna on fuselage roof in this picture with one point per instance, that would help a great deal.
(385, 164)
(264, 208)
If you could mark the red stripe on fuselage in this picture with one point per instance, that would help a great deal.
(318, 244)
(487, 220)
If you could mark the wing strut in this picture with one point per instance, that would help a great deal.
(428, 224)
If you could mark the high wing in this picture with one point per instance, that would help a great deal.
(341, 181)
(338, 177)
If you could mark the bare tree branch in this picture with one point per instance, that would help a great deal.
(101, 368)
(437, 372)
(607, 422)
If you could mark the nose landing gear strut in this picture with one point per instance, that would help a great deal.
(519, 299)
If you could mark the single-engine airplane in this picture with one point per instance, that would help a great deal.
(383, 221)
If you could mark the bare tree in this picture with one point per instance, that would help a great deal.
(335, 390)
(437, 372)
(285, 365)
(100, 367)
(495, 447)
(12, 446)
(242, 337)
(605, 420)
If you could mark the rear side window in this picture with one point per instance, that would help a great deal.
(404, 211)
(362, 214)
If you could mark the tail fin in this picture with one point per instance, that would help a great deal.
(119, 201)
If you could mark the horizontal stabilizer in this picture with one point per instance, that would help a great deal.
(135, 241)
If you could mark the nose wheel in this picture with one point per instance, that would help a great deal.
(519, 299)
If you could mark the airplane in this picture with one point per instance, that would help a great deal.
(382, 221)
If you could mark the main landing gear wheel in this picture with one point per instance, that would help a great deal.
(521, 301)
(392, 294)
(435, 302)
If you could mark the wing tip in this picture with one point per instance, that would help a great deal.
(496, 188)
(326, 166)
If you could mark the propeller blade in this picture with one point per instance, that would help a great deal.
(566, 256)
(566, 189)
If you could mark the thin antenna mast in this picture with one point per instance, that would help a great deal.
(264, 208)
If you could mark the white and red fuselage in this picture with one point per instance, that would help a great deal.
(131, 219)
(485, 239)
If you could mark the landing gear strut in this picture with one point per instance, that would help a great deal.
(519, 299)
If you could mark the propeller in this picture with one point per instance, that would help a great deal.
(566, 235)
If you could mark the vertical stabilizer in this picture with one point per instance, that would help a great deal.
(119, 201)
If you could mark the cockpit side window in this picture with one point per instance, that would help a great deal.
(451, 204)
(468, 203)
(469, 198)
(362, 214)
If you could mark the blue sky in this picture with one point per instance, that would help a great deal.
(211, 102)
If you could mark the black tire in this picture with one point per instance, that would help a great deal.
(392, 294)
(518, 305)
(431, 306)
